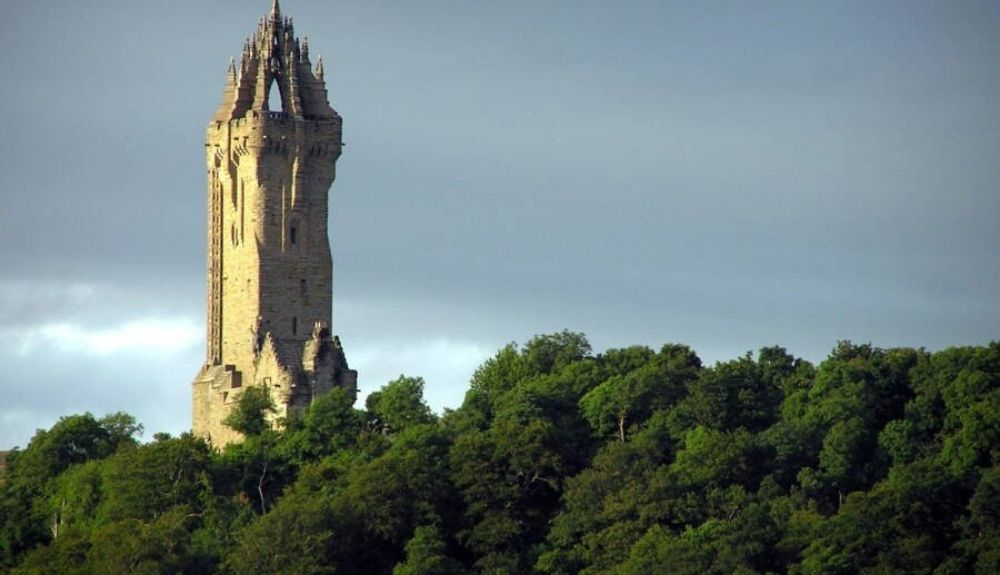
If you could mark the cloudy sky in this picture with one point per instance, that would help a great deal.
(726, 175)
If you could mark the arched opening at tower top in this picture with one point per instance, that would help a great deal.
(274, 98)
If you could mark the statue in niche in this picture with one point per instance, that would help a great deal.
(257, 333)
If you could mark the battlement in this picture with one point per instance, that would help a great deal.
(256, 118)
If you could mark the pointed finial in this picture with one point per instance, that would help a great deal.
(231, 72)
(275, 10)
(305, 48)
(319, 67)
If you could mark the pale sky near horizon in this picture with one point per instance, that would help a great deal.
(728, 175)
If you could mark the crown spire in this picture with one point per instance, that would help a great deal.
(273, 56)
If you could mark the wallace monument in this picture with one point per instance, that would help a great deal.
(270, 272)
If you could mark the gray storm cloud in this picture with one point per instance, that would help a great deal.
(727, 176)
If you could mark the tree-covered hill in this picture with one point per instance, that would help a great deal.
(559, 461)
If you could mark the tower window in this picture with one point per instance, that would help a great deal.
(295, 325)
(274, 103)
(291, 234)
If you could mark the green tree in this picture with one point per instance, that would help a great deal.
(498, 374)
(122, 429)
(259, 468)
(292, 539)
(74, 497)
(542, 355)
(844, 457)
(619, 402)
(712, 458)
(26, 518)
(559, 462)
(426, 554)
(639, 383)
(597, 522)
(733, 394)
(608, 406)
(378, 503)
(510, 477)
(905, 524)
(66, 555)
(250, 416)
(144, 481)
(659, 552)
(159, 546)
(551, 353)
(972, 426)
(398, 405)
(331, 424)
(981, 541)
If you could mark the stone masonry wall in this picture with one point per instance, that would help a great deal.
(270, 270)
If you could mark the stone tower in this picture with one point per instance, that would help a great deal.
(271, 153)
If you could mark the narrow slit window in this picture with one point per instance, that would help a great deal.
(295, 325)
(291, 234)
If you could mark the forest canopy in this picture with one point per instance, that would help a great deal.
(559, 461)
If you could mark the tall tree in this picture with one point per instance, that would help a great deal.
(426, 555)
(398, 405)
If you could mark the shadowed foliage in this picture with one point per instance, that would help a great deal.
(559, 461)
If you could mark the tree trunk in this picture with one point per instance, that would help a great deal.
(260, 488)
